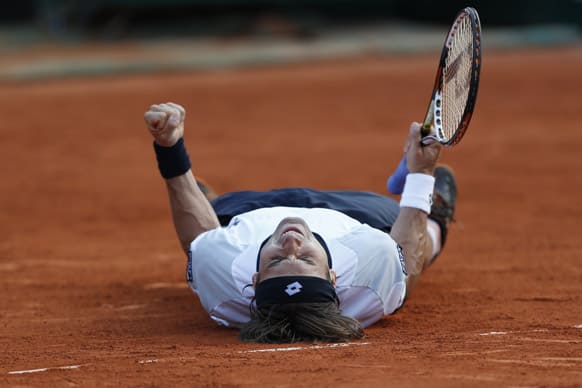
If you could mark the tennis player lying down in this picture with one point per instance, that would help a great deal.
(298, 264)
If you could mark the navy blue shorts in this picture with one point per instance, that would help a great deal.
(376, 210)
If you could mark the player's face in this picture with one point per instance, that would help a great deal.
(293, 250)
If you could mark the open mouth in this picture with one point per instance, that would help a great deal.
(292, 229)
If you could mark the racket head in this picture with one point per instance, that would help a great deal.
(457, 81)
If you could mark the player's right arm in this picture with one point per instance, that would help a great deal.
(410, 228)
(191, 212)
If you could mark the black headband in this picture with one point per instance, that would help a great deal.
(317, 236)
(294, 289)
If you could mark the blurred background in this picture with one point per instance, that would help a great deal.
(53, 38)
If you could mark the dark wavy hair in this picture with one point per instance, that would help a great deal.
(296, 322)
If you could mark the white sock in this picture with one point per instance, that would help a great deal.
(434, 231)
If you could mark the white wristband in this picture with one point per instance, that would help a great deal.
(417, 192)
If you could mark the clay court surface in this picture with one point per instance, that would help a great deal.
(93, 276)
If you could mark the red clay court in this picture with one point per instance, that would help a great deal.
(93, 276)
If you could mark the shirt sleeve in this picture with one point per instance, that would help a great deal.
(380, 267)
(210, 267)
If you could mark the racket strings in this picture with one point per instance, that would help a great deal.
(457, 77)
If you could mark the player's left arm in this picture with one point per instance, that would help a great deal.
(191, 212)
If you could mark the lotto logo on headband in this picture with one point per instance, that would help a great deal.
(293, 288)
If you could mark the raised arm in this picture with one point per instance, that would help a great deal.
(410, 228)
(191, 212)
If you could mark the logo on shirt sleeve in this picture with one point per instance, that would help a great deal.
(401, 259)
(189, 276)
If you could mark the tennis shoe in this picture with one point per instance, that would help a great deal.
(444, 200)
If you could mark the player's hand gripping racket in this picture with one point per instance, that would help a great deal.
(455, 89)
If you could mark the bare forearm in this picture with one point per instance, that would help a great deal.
(410, 232)
(410, 228)
(191, 211)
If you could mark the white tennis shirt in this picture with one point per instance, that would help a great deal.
(371, 277)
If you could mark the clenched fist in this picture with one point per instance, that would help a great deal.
(420, 158)
(166, 123)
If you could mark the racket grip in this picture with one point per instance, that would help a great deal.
(396, 181)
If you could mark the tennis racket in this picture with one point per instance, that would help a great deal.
(455, 90)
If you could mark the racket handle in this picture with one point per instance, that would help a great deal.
(395, 183)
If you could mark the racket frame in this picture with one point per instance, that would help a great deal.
(432, 128)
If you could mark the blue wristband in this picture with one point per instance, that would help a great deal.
(172, 161)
